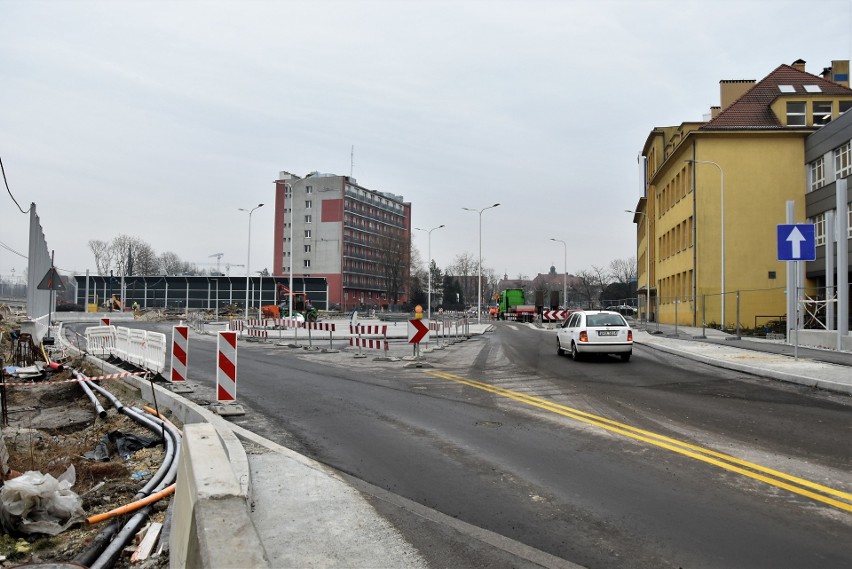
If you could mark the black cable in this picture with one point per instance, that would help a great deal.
(3, 170)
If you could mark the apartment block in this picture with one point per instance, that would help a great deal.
(327, 225)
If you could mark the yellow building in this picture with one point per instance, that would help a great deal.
(726, 181)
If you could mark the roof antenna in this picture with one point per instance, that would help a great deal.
(352, 161)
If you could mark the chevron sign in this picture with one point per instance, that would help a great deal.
(554, 314)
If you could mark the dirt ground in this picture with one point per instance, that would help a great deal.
(51, 425)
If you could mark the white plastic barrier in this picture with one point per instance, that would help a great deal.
(122, 343)
(155, 352)
(136, 348)
(100, 340)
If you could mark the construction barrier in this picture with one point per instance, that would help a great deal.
(104, 321)
(122, 343)
(226, 368)
(437, 327)
(371, 343)
(180, 350)
(100, 341)
(155, 352)
(138, 347)
(324, 327)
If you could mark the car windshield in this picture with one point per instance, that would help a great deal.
(593, 320)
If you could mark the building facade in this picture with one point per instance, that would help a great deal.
(828, 153)
(358, 239)
(715, 191)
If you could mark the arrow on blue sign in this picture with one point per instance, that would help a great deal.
(796, 242)
(795, 238)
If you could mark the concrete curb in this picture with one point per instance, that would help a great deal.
(752, 370)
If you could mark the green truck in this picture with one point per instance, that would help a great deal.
(512, 306)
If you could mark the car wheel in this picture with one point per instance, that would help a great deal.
(575, 355)
(626, 357)
(559, 350)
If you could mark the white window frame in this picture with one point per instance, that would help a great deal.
(819, 229)
(307, 219)
(307, 248)
(309, 204)
(818, 173)
(843, 161)
(307, 233)
(307, 264)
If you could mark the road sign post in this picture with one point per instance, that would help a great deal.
(418, 331)
(796, 242)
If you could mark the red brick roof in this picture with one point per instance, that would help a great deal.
(752, 110)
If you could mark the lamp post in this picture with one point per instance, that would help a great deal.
(565, 274)
(429, 269)
(647, 264)
(722, 222)
(248, 256)
(479, 277)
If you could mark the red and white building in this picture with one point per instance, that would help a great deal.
(358, 239)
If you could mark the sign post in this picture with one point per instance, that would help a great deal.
(796, 242)
(418, 331)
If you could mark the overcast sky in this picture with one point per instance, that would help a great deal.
(159, 119)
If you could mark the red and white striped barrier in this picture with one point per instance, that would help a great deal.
(371, 343)
(180, 348)
(551, 315)
(369, 330)
(226, 369)
(258, 333)
(236, 325)
(323, 327)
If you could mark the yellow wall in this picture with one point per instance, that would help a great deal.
(761, 172)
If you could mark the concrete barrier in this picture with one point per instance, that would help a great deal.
(211, 527)
(824, 339)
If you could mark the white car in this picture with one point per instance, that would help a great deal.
(595, 332)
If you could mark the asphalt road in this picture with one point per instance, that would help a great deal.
(600, 463)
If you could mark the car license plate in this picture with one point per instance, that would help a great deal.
(607, 332)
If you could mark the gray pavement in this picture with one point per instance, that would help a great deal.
(309, 515)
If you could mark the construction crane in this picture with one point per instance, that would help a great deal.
(218, 260)
(228, 267)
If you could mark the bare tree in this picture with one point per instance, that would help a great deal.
(144, 259)
(584, 286)
(623, 271)
(465, 267)
(103, 255)
(393, 263)
(169, 263)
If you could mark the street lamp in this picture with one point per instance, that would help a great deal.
(722, 221)
(565, 274)
(248, 256)
(647, 264)
(479, 278)
(429, 268)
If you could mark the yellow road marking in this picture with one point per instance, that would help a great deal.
(769, 476)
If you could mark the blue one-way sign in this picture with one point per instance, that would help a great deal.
(796, 242)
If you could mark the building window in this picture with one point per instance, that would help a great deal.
(845, 106)
(818, 173)
(309, 189)
(796, 114)
(307, 233)
(307, 263)
(822, 112)
(308, 204)
(819, 229)
(307, 248)
(843, 161)
(307, 219)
